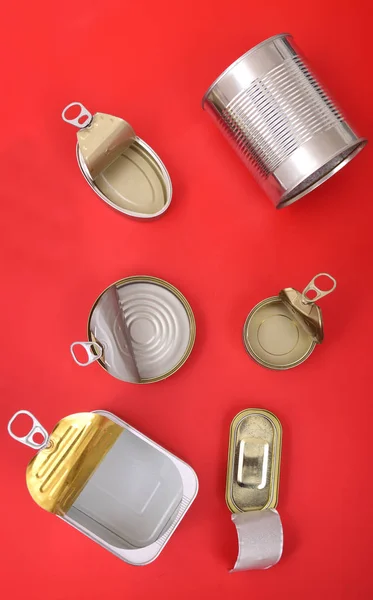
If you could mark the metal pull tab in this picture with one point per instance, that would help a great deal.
(91, 356)
(318, 292)
(28, 439)
(80, 122)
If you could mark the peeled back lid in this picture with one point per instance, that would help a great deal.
(304, 309)
(101, 139)
(67, 458)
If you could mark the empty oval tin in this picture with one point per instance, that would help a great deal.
(280, 120)
(254, 456)
(141, 329)
(282, 331)
(253, 476)
(119, 166)
(110, 482)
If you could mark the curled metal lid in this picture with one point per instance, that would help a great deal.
(141, 329)
(67, 458)
(305, 310)
(101, 137)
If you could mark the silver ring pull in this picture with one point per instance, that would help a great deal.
(318, 293)
(91, 356)
(28, 439)
(78, 122)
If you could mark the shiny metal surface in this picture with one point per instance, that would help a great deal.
(143, 327)
(110, 482)
(282, 331)
(67, 458)
(253, 461)
(285, 127)
(273, 336)
(155, 163)
(119, 166)
(260, 539)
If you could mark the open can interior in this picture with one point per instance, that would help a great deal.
(135, 498)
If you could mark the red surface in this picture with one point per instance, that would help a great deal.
(226, 248)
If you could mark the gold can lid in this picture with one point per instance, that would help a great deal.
(304, 308)
(67, 458)
(282, 331)
(254, 456)
(101, 137)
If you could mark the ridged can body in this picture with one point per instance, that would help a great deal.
(283, 124)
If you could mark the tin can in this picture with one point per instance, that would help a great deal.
(110, 482)
(253, 476)
(282, 331)
(119, 166)
(281, 121)
(141, 329)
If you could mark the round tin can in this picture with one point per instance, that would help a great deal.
(281, 121)
(141, 329)
(282, 331)
(120, 167)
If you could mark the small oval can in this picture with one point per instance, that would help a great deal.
(118, 165)
(110, 482)
(254, 456)
(282, 331)
(253, 476)
(141, 329)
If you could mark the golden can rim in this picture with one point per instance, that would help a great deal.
(276, 480)
(184, 302)
(256, 358)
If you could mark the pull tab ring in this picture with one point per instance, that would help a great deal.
(319, 293)
(77, 121)
(28, 439)
(91, 356)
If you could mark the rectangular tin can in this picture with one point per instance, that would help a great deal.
(110, 482)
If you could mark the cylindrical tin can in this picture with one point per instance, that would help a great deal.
(283, 124)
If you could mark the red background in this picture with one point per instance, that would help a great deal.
(226, 248)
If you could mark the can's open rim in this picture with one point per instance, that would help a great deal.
(166, 183)
(356, 148)
(236, 62)
(254, 356)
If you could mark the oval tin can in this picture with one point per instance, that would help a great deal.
(110, 482)
(119, 166)
(282, 331)
(141, 329)
(254, 456)
(280, 120)
(253, 476)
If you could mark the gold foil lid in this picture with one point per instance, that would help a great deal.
(303, 307)
(67, 459)
(102, 138)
